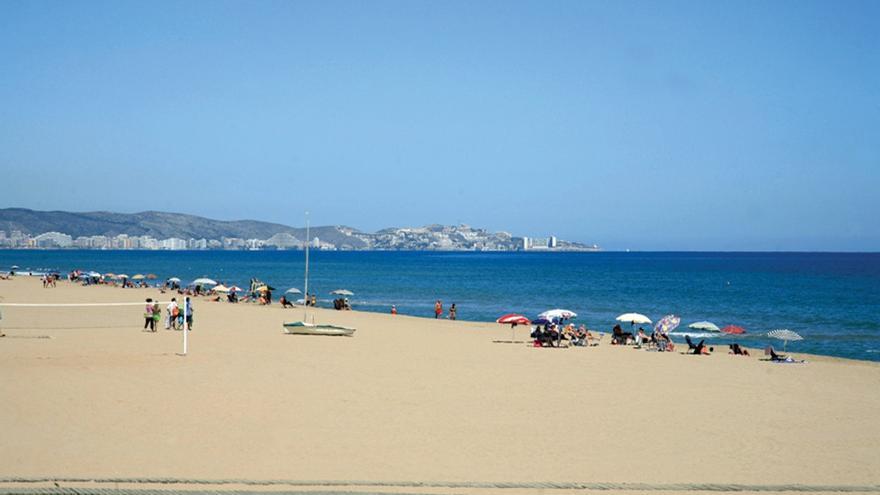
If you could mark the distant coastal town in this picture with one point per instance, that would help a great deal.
(434, 237)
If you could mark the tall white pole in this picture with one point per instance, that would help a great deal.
(185, 322)
(308, 241)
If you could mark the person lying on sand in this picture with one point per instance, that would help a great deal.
(736, 350)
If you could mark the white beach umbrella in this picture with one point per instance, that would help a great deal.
(204, 281)
(293, 290)
(342, 292)
(221, 288)
(122, 275)
(785, 336)
(558, 313)
(174, 279)
(634, 318)
(235, 288)
(706, 326)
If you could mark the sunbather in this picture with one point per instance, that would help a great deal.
(774, 356)
(735, 349)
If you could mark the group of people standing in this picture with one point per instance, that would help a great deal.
(438, 310)
(174, 316)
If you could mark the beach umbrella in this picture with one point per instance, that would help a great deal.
(138, 277)
(235, 288)
(733, 330)
(633, 318)
(293, 290)
(560, 314)
(174, 279)
(343, 292)
(513, 320)
(204, 281)
(109, 275)
(785, 336)
(94, 274)
(122, 275)
(264, 288)
(221, 288)
(706, 326)
(667, 324)
(541, 321)
(152, 276)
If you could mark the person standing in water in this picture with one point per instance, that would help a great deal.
(438, 309)
(452, 312)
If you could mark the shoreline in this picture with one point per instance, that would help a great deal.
(755, 351)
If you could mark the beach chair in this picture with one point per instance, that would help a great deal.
(694, 349)
(773, 356)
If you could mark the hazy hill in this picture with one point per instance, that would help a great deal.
(160, 225)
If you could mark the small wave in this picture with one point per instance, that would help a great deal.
(872, 350)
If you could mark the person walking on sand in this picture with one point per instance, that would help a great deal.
(452, 312)
(148, 315)
(157, 315)
(393, 309)
(189, 313)
(171, 317)
(438, 309)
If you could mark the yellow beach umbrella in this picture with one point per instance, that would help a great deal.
(138, 277)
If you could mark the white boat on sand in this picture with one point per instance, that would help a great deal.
(303, 328)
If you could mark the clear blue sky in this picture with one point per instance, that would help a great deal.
(646, 125)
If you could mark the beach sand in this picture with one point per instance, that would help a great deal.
(408, 399)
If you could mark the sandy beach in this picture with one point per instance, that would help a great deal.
(409, 400)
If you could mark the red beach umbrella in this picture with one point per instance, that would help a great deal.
(733, 330)
(513, 320)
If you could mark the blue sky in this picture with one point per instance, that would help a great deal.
(642, 125)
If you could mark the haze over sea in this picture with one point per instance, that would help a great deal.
(829, 298)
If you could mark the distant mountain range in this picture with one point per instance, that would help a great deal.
(162, 225)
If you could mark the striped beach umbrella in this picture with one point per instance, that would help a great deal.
(513, 319)
(785, 336)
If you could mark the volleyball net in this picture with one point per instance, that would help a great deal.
(70, 316)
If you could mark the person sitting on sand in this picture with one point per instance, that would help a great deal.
(736, 350)
(664, 343)
(284, 302)
(620, 337)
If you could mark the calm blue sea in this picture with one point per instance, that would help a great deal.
(831, 299)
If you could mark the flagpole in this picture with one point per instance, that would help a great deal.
(306, 305)
(185, 323)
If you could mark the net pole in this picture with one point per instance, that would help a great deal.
(185, 323)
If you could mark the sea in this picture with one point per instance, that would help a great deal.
(831, 299)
